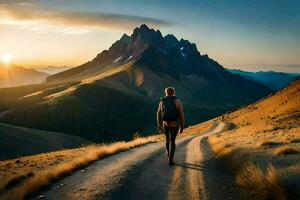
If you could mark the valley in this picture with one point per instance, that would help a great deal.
(101, 99)
(149, 100)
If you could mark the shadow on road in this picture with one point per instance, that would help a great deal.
(219, 181)
(149, 179)
(190, 166)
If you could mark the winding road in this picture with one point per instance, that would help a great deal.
(143, 173)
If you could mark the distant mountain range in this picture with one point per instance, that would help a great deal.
(116, 94)
(12, 75)
(52, 69)
(271, 79)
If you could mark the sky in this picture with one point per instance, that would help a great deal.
(250, 35)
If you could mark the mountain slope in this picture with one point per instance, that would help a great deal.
(156, 62)
(18, 141)
(12, 75)
(52, 69)
(102, 99)
(265, 137)
(271, 79)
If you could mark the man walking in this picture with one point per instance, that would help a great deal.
(170, 120)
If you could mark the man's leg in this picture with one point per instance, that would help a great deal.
(173, 133)
(167, 134)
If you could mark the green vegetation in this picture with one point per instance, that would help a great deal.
(93, 111)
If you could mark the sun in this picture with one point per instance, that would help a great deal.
(7, 58)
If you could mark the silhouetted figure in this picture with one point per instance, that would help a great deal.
(170, 119)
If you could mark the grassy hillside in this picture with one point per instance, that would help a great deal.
(102, 108)
(18, 141)
(116, 94)
(22, 96)
(263, 149)
(25, 175)
(93, 111)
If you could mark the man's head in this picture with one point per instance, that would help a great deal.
(170, 91)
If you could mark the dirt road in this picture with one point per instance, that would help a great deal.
(143, 173)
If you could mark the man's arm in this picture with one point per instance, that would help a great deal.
(158, 116)
(180, 115)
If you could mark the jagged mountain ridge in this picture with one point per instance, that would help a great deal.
(150, 52)
(141, 46)
(116, 94)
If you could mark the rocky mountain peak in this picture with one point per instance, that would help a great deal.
(147, 36)
(188, 47)
(170, 39)
(125, 38)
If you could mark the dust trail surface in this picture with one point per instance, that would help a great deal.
(143, 173)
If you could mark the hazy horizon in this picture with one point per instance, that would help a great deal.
(288, 69)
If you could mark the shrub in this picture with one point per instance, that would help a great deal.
(285, 150)
(270, 143)
(265, 183)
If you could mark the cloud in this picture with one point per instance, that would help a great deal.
(77, 22)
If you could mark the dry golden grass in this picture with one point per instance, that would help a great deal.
(70, 162)
(264, 130)
(23, 176)
(269, 143)
(285, 150)
(297, 140)
(266, 183)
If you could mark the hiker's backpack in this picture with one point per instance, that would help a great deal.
(169, 110)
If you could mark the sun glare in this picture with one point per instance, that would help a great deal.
(6, 58)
